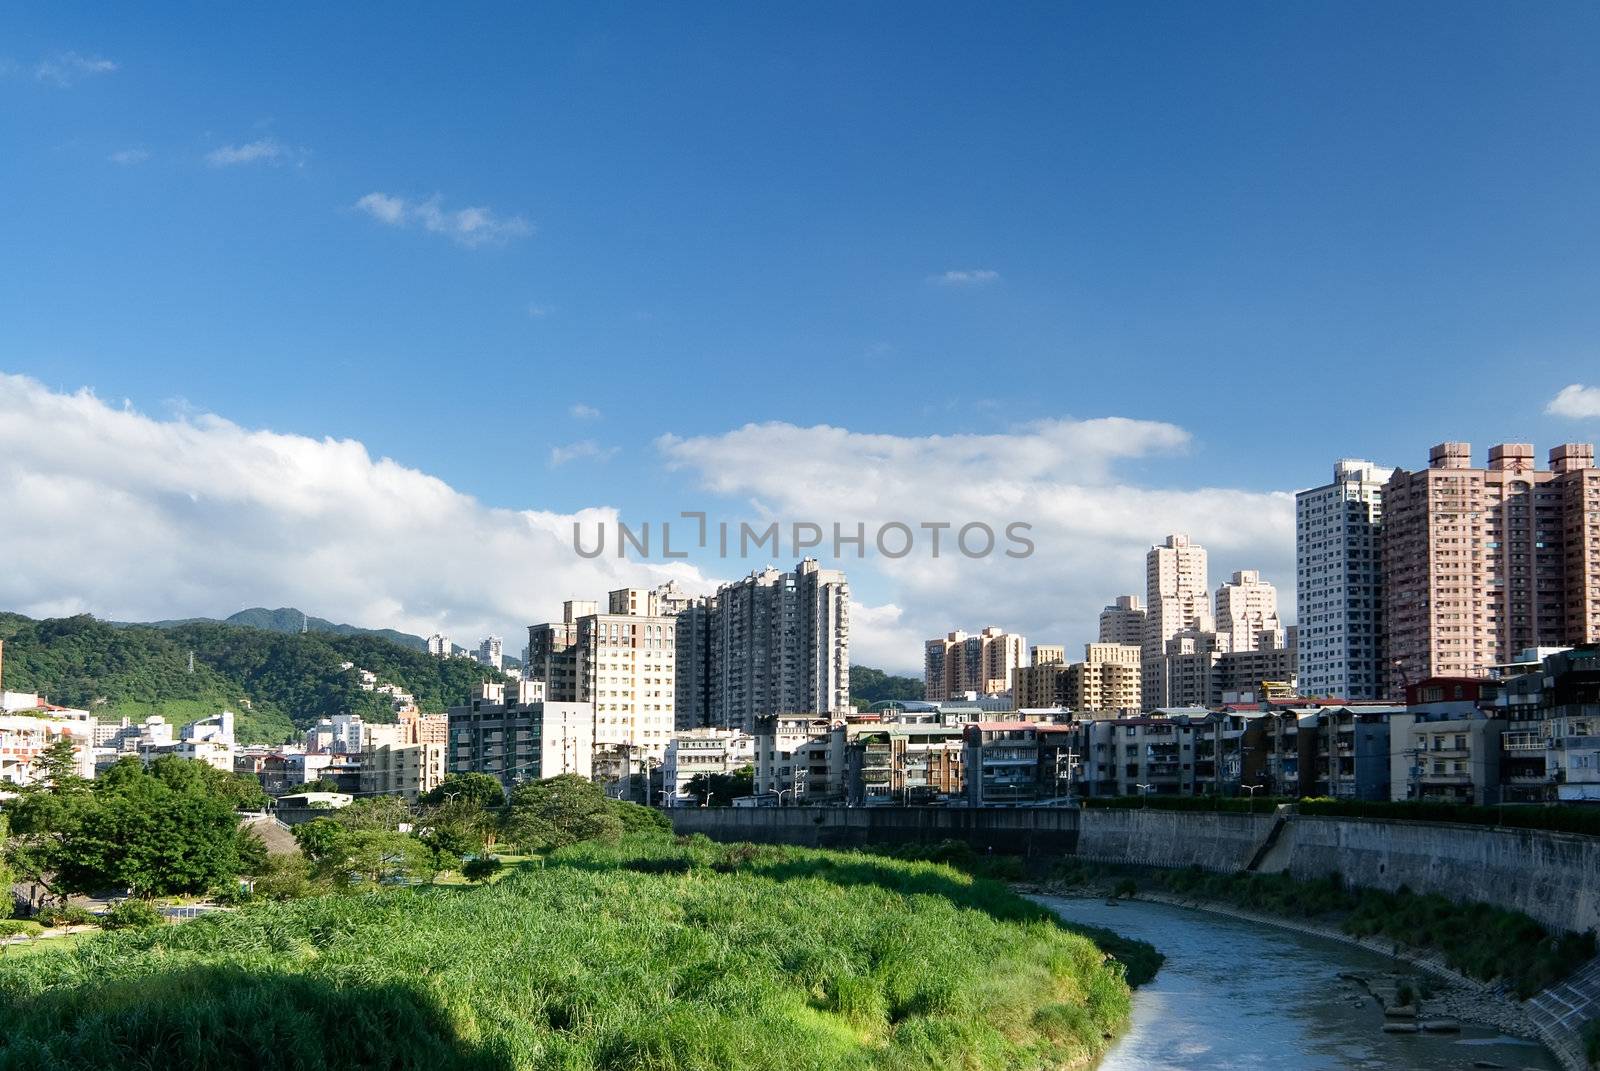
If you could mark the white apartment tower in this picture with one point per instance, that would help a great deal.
(491, 653)
(626, 668)
(1339, 583)
(439, 645)
(1178, 599)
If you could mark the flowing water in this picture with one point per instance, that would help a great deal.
(1236, 995)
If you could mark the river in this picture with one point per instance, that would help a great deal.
(1239, 996)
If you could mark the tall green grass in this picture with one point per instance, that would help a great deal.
(647, 955)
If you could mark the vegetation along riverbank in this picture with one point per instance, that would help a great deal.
(643, 952)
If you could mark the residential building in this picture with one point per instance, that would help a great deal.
(1339, 583)
(693, 752)
(798, 757)
(1107, 683)
(553, 651)
(24, 737)
(1178, 600)
(439, 646)
(516, 738)
(904, 763)
(1123, 622)
(1254, 674)
(407, 770)
(1047, 654)
(778, 643)
(626, 669)
(1039, 685)
(1479, 563)
(491, 653)
(984, 664)
(1247, 612)
(1001, 762)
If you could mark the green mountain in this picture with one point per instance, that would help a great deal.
(868, 686)
(277, 682)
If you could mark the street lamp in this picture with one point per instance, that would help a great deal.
(1144, 793)
(1252, 790)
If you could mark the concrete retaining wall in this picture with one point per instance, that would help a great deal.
(1554, 877)
(1010, 830)
(1222, 842)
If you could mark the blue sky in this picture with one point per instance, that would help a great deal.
(1294, 231)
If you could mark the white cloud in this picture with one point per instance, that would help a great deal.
(66, 68)
(968, 277)
(134, 518)
(470, 227)
(584, 412)
(1091, 525)
(1576, 401)
(538, 312)
(267, 150)
(129, 157)
(585, 450)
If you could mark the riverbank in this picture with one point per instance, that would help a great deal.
(1289, 1000)
(1460, 997)
(646, 952)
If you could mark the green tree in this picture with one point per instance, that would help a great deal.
(456, 829)
(378, 857)
(374, 812)
(56, 767)
(720, 789)
(153, 842)
(482, 869)
(549, 814)
(479, 788)
(319, 838)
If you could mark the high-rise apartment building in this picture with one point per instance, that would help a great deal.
(518, 737)
(1339, 583)
(626, 668)
(1479, 564)
(1046, 654)
(1123, 622)
(553, 651)
(439, 645)
(1178, 600)
(491, 653)
(1247, 612)
(984, 664)
(778, 643)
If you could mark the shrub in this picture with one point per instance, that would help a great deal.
(68, 915)
(14, 927)
(132, 914)
(482, 868)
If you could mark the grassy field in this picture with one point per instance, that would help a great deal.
(646, 955)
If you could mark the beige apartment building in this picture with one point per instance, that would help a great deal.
(405, 770)
(985, 664)
(1107, 683)
(1123, 621)
(1480, 563)
(1178, 600)
(625, 668)
(1247, 611)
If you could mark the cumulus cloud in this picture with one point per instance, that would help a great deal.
(67, 68)
(470, 227)
(267, 150)
(129, 157)
(1091, 524)
(967, 277)
(585, 450)
(584, 412)
(1577, 402)
(110, 511)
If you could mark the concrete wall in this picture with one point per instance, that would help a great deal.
(1222, 842)
(1554, 877)
(1010, 830)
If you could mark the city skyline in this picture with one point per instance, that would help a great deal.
(373, 360)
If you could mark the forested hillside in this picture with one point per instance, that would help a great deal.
(276, 682)
(868, 686)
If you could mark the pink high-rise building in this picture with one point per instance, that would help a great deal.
(1481, 563)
